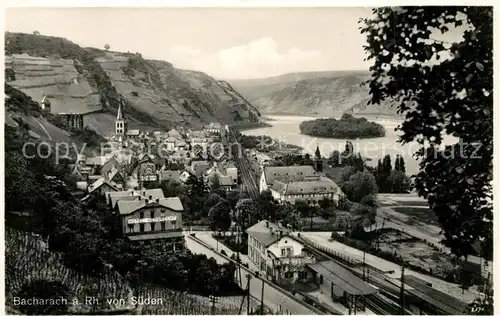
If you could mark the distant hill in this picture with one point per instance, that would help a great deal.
(91, 80)
(327, 93)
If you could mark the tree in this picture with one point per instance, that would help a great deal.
(398, 182)
(335, 159)
(247, 213)
(452, 95)
(396, 164)
(360, 185)
(220, 216)
(318, 159)
(107, 47)
(362, 216)
(402, 167)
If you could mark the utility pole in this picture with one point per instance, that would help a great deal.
(213, 299)
(249, 277)
(403, 288)
(262, 299)
(364, 264)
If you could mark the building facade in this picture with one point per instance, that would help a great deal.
(146, 220)
(276, 253)
(292, 183)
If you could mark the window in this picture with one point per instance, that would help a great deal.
(283, 252)
(174, 223)
(162, 225)
(141, 228)
(152, 214)
(141, 215)
(130, 228)
(152, 226)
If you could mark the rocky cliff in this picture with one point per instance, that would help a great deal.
(329, 93)
(92, 81)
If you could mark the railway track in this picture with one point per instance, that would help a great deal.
(249, 184)
(376, 302)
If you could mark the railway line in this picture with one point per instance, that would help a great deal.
(248, 181)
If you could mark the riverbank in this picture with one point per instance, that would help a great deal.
(251, 125)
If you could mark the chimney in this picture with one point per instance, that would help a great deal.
(281, 233)
(267, 224)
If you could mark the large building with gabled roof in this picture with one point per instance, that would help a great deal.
(292, 183)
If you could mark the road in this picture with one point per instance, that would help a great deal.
(273, 298)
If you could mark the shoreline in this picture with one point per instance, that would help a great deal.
(250, 125)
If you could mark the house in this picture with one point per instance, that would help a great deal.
(213, 127)
(101, 186)
(145, 169)
(133, 134)
(226, 183)
(170, 143)
(278, 255)
(181, 145)
(145, 220)
(291, 183)
(111, 171)
(232, 172)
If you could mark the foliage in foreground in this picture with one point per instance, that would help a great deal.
(453, 96)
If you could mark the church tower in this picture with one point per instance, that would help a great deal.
(120, 123)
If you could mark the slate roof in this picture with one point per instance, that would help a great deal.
(324, 186)
(342, 278)
(108, 165)
(226, 181)
(289, 173)
(126, 207)
(263, 233)
(98, 183)
(133, 132)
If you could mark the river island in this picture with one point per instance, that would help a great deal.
(347, 127)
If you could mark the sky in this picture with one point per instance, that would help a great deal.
(226, 43)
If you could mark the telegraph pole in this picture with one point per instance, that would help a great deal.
(364, 264)
(262, 299)
(213, 299)
(249, 277)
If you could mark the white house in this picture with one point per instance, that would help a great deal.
(232, 171)
(288, 184)
(278, 255)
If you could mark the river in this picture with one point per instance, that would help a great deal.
(286, 129)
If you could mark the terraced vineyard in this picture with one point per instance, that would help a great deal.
(27, 259)
(176, 303)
